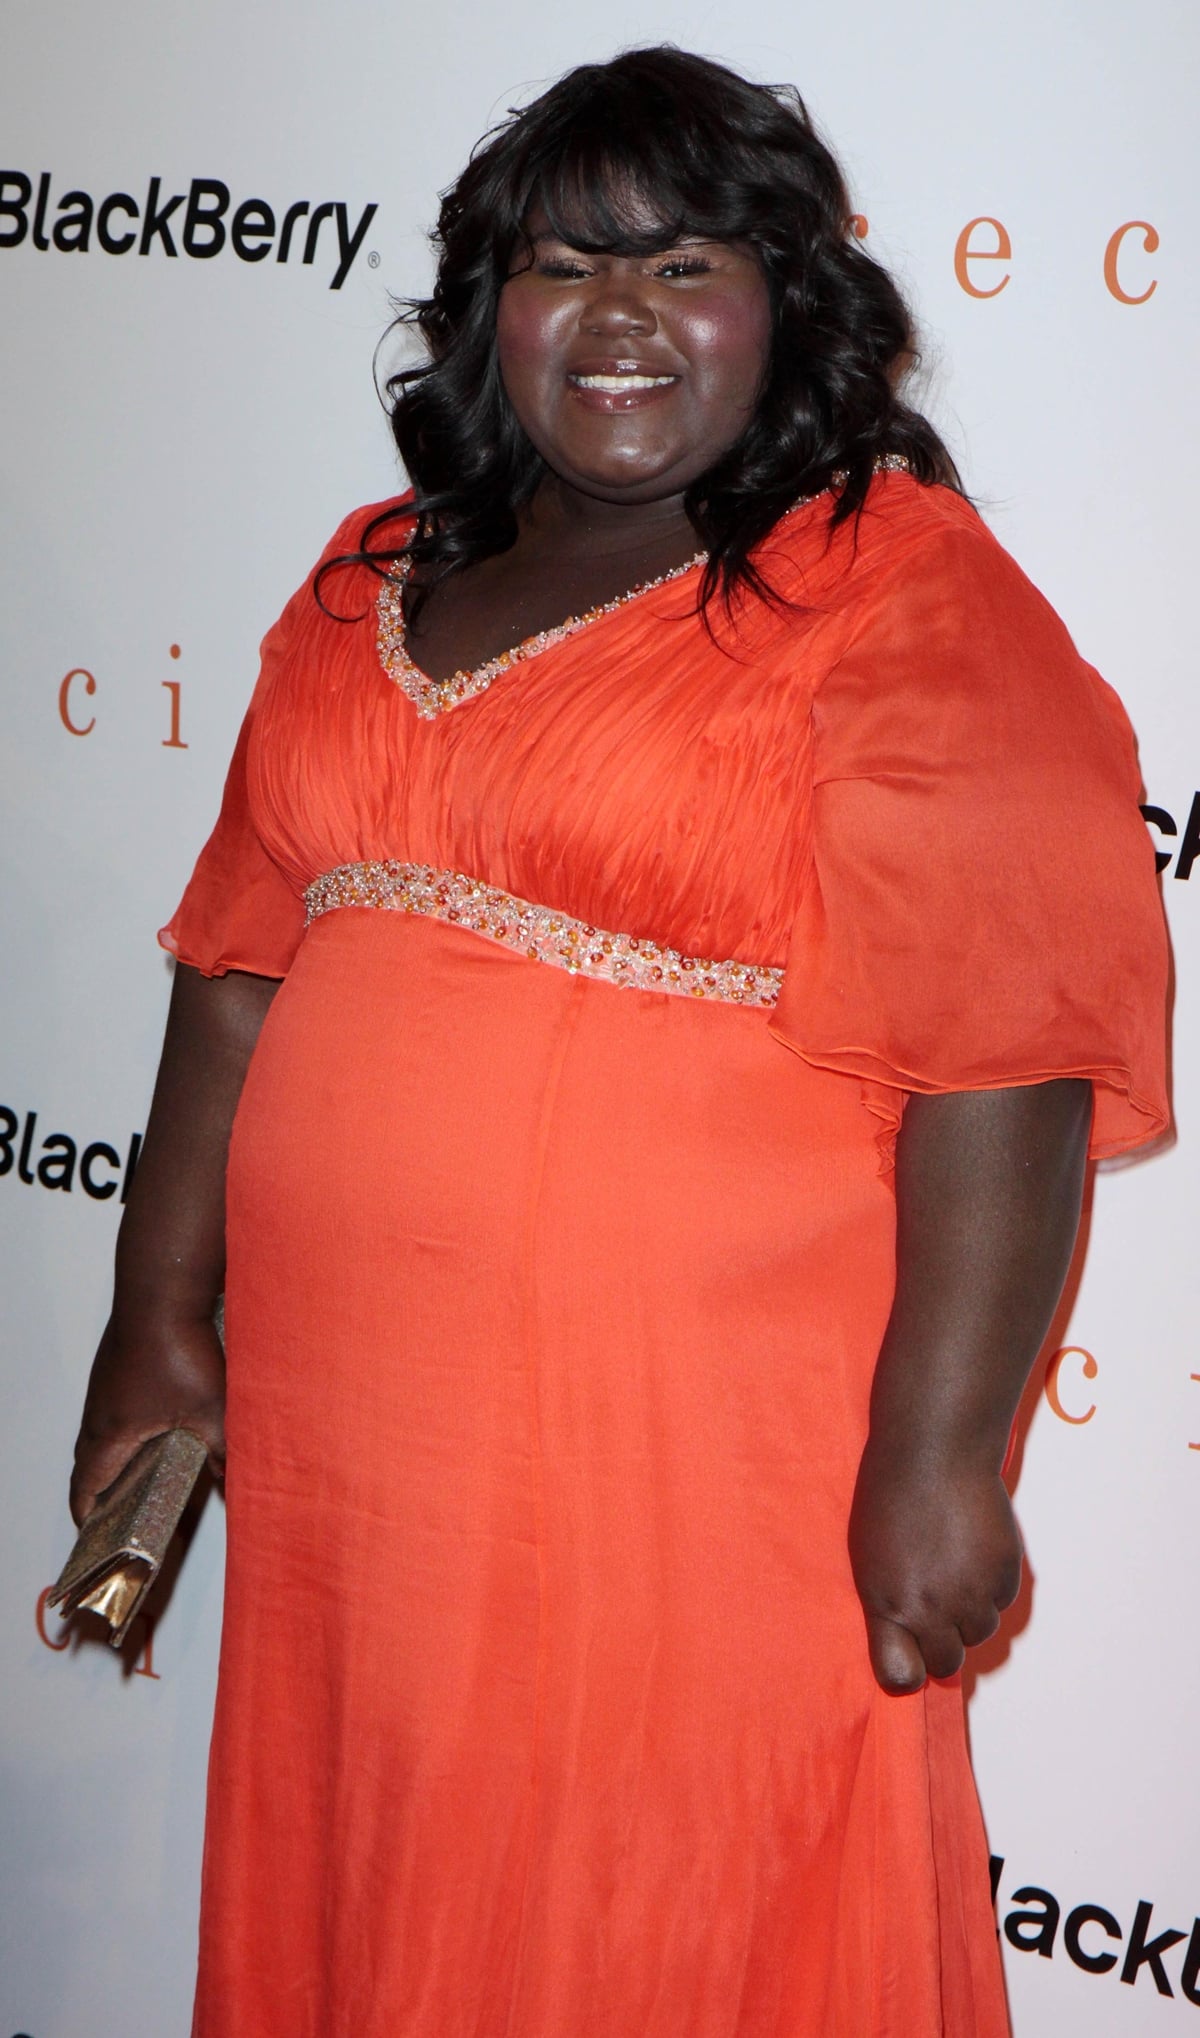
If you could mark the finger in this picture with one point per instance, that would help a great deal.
(1010, 1582)
(103, 1471)
(81, 1500)
(895, 1658)
(979, 1626)
(99, 1466)
(211, 1432)
(942, 1650)
(87, 1484)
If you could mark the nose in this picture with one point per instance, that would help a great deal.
(615, 305)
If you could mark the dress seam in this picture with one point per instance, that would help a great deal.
(528, 1270)
(938, 1903)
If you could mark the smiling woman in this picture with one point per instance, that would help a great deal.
(615, 1427)
(685, 334)
(716, 204)
(630, 376)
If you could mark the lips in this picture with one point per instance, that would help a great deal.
(616, 383)
(619, 384)
(617, 375)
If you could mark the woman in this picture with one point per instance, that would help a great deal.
(656, 1173)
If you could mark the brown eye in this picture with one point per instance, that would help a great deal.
(685, 265)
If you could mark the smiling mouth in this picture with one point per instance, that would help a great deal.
(616, 385)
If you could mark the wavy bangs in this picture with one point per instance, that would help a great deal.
(620, 185)
(630, 157)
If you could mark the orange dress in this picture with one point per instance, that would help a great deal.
(561, 1245)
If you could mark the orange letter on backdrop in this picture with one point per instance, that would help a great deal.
(64, 702)
(964, 253)
(1090, 1370)
(40, 1617)
(174, 741)
(144, 1667)
(1112, 255)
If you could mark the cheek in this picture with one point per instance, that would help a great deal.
(527, 338)
(729, 341)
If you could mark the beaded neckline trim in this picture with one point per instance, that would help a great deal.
(540, 933)
(432, 697)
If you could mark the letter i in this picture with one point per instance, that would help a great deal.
(174, 741)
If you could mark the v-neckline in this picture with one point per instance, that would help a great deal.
(432, 697)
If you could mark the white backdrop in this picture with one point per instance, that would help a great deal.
(179, 438)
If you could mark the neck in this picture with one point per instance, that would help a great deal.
(558, 509)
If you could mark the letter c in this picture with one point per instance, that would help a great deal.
(964, 253)
(98, 1151)
(1090, 1914)
(115, 244)
(1090, 1370)
(40, 1617)
(64, 702)
(1112, 255)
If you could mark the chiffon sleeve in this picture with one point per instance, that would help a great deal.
(981, 908)
(239, 911)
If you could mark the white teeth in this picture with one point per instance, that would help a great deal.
(616, 383)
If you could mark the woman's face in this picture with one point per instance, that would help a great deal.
(632, 374)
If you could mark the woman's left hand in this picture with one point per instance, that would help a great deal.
(988, 1187)
(936, 1555)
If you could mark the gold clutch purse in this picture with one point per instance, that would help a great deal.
(119, 1550)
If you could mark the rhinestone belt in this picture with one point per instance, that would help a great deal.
(540, 932)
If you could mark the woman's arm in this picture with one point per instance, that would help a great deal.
(988, 1191)
(159, 1361)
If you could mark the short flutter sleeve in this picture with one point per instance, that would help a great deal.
(239, 911)
(981, 908)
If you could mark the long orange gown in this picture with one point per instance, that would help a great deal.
(558, 1266)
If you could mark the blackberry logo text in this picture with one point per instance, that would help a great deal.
(1031, 1926)
(197, 222)
(103, 1169)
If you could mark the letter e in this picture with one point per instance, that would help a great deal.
(964, 253)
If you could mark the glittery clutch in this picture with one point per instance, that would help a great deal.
(120, 1548)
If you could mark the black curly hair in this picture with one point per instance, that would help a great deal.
(708, 154)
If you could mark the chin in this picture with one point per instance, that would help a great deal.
(622, 481)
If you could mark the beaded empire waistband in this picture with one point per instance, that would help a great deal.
(540, 932)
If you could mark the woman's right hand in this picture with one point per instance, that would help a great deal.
(160, 1364)
(144, 1381)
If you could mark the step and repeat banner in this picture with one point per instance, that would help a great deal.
(203, 216)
